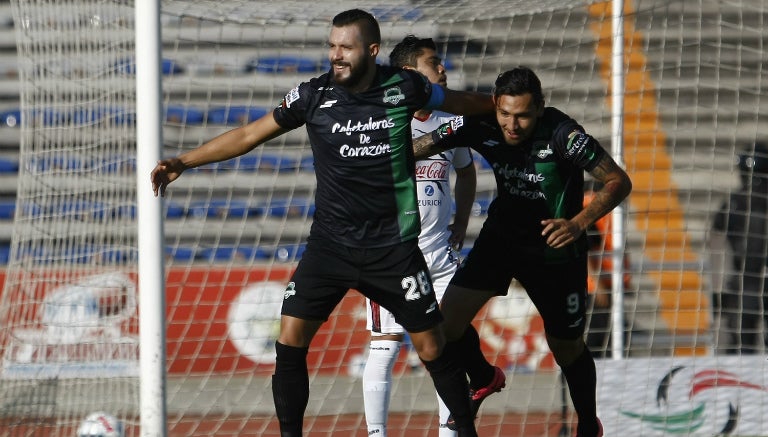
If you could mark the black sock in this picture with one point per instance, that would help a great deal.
(479, 370)
(450, 382)
(290, 388)
(582, 382)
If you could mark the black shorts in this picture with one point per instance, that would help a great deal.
(396, 277)
(559, 291)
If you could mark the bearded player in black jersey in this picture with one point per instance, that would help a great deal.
(365, 229)
(535, 231)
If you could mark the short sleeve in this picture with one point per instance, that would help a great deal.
(577, 146)
(291, 113)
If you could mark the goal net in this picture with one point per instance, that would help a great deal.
(693, 95)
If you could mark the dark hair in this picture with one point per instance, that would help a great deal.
(519, 81)
(408, 50)
(369, 27)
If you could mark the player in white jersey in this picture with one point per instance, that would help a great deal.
(441, 238)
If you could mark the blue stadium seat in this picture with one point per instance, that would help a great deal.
(9, 166)
(296, 207)
(268, 162)
(224, 209)
(235, 115)
(5, 254)
(171, 67)
(87, 116)
(126, 211)
(11, 118)
(307, 163)
(83, 209)
(173, 210)
(112, 255)
(227, 253)
(115, 164)
(283, 64)
(7, 209)
(52, 163)
(184, 115)
(49, 117)
(181, 253)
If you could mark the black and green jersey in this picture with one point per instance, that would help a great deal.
(540, 179)
(362, 147)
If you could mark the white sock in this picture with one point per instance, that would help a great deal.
(443, 414)
(377, 384)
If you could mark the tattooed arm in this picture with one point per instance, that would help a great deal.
(616, 187)
(438, 140)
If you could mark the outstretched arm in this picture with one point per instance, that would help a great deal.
(467, 102)
(228, 145)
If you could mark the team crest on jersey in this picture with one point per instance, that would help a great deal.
(393, 95)
(291, 97)
(543, 153)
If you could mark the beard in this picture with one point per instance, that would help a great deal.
(352, 78)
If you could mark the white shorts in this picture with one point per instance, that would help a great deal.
(442, 264)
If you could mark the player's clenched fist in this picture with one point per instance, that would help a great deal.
(165, 172)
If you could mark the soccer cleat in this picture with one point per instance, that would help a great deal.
(476, 397)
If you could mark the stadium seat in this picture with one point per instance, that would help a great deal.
(52, 163)
(127, 211)
(5, 254)
(268, 162)
(227, 253)
(184, 115)
(224, 208)
(88, 116)
(10, 118)
(296, 207)
(307, 163)
(112, 255)
(9, 166)
(235, 115)
(128, 66)
(173, 210)
(115, 164)
(7, 209)
(48, 117)
(180, 253)
(82, 209)
(283, 64)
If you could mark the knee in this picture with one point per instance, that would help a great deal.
(565, 351)
(428, 344)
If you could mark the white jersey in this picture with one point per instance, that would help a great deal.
(436, 208)
(433, 184)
